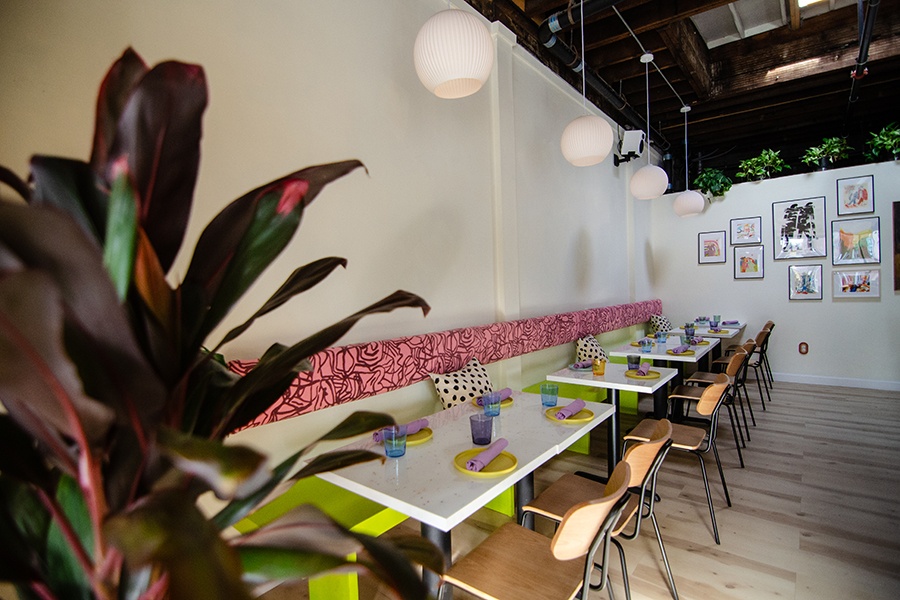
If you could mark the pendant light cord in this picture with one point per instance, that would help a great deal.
(583, 62)
(647, 84)
(686, 176)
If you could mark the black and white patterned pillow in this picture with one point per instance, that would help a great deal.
(472, 381)
(659, 323)
(588, 348)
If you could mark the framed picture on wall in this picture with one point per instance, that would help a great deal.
(748, 262)
(805, 282)
(855, 195)
(856, 241)
(747, 230)
(863, 283)
(896, 246)
(711, 247)
(798, 228)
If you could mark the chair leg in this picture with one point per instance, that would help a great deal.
(749, 406)
(768, 369)
(662, 550)
(712, 511)
(765, 381)
(735, 429)
(740, 399)
(624, 568)
(721, 473)
(762, 400)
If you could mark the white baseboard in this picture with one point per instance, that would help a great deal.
(869, 384)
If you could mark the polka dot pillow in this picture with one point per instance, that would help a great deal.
(588, 348)
(659, 323)
(472, 381)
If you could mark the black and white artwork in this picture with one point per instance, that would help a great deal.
(799, 228)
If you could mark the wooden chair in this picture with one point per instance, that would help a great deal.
(698, 440)
(737, 363)
(515, 562)
(644, 459)
(770, 325)
(759, 365)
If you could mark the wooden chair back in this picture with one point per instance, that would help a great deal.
(736, 362)
(712, 395)
(641, 456)
(582, 522)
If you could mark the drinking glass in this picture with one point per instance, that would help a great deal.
(394, 441)
(491, 403)
(634, 361)
(599, 367)
(549, 394)
(481, 425)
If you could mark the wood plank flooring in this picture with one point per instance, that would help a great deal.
(815, 512)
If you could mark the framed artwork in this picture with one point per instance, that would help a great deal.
(746, 231)
(798, 228)
(856, 195)
(711, 247)
(897, 246)
(805, 282)
(855, 241)
(748, 262)
(864, 283)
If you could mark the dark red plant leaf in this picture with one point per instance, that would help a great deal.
(242, 241)
(19, 457)
(71, 186)
(115, 90)
(159, 133)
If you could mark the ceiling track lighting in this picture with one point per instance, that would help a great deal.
(588, 139)
(649, 181)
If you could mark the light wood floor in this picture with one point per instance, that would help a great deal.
(816, 512)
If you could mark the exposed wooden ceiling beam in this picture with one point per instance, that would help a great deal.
(794, 6)
(693, 57)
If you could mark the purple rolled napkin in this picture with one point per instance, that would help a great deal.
(696, 339)
(504, 394)
(411, 428)
(644, 369)
(484, 458)
(572, 409)
(680, 349)
(585, 364)
(730, 322)
(715, 329)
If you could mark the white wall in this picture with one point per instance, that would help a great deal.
(469, 202)
(851, 342)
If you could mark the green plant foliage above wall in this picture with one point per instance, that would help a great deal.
(768, 163)
(713, 182)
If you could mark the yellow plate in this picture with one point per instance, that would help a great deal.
(582, 416)
(634, 374)
(503, 464)
(503, 403)
(419, 437)
(685, 353)
(724, 331)
(638, 345)
(703, 343)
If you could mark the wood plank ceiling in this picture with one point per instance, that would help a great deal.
(785, 88)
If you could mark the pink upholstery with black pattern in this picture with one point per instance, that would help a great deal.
(346, 373)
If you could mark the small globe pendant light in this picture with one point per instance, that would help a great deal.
(587, 140)
(688, 203)
(453, 54)
(649, 181)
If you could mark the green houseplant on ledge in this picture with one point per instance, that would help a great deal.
(115, 413)
(886, 141)
(713, 183)
(763, 166)
(827, 153)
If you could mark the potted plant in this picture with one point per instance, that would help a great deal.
(115, 413)
(828, 152)
(713, 182)
(763, 166)
(886, 141)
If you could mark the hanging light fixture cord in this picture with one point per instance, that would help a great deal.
(686, 177)
(583, 63)
(647, 85)
(644, 51)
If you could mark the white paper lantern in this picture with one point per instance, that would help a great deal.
(649, 182)
(586, 141)
(689, 204)
(454, 54)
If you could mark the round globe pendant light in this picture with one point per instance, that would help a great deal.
(587, 140)
(688, 203)
(453, 54)
(649, 181)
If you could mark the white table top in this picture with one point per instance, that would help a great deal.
(614, 378)
(658, 352)
(425, 485)
(728, 331)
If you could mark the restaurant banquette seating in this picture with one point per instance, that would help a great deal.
(645, 459)
(515, 562)
(696, 439)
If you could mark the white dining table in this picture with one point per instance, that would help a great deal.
(728, 332)
(615, 380)
(425, 485)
